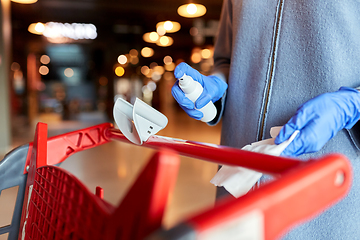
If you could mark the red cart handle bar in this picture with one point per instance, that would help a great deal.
(62, 146)
(304, 189)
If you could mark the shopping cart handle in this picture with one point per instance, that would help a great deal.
(216, 153)
(62, 146)
(270, 211)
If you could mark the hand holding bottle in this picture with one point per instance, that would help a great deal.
(213, 89)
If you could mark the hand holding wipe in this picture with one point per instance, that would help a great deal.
(319, 120)
(193, 90)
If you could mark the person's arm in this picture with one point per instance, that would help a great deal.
(222, 54)
(319, 119)
(214, 85)
(223, 42)
(354, 132)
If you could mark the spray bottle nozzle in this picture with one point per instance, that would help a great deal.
(193, 90)
(183, 77)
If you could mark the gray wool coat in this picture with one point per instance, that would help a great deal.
(276, 55)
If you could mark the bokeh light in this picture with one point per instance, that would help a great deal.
(194, 31)
(170, 67)
(68, 72)
(169, 26)
(151, 37)
(153, 65)
(206, 53)
(39, 27)
(15, 66)
(44, 70)
(134, 53)
(195, 57)
(159, 69)
(122, 59)
(36, 28)
(161, 30)
(145, 70)
(167, 60)
(191, 10)
(155, 76)
(134, 60)
(154, 36)
(119, 71)
(25, 1)
(147, 52)
(151, 85)
(165, 41)
(45, 59)
(75, 31)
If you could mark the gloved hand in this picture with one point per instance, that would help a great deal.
(214, 89)
(319, 120)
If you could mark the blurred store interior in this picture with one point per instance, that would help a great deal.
(65, 62)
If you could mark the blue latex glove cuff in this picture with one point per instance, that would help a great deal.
(320, 119)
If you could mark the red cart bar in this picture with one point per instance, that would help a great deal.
(216, 153)
(60, 207)
(274, 208)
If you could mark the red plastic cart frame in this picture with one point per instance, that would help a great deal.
(300, 191)
(58, 206)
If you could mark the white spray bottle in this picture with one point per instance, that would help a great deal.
(193, 90)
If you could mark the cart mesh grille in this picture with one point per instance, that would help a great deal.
(61, 207)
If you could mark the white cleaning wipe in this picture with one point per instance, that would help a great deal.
(238, 180)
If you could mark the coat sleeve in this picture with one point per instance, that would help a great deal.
(222, 53)
(354, 133)
(223, 42)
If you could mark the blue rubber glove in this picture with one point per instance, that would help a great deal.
(319, 120)
(214, 89)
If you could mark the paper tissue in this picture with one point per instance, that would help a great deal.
(238, 180)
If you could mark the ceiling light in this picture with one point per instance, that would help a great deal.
(151, 37)
(169, 26)
(36, 28)
(191, 10)
(25, 1)
(165, 41)
(75, 31)
(161, 30)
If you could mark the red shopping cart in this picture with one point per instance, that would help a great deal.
(53, 204)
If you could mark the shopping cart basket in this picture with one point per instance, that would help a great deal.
(52, 204)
